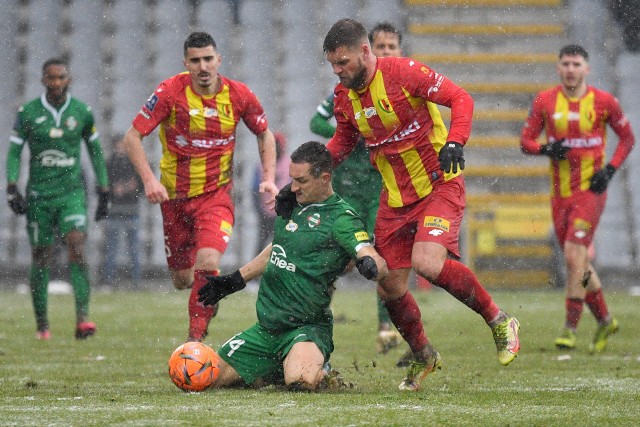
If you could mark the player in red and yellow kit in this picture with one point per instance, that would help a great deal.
(422, 201)
(198, 112)
(574, 117)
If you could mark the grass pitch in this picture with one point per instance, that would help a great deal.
(119, 377)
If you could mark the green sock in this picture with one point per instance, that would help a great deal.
(81, 288)
(39, 281)
(383, 313)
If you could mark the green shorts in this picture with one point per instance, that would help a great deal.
(258, 354)
(66, 213)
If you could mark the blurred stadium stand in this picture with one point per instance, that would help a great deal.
(119, 50)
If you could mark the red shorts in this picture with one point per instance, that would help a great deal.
(204, 221)
(436, 218)
(575, 218)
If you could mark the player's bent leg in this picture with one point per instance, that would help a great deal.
(207, 261)
(303, 367)
(227, 376)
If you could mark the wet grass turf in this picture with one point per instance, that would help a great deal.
(119, 377)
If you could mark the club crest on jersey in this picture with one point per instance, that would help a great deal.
(313, 220)
(385, 105)
(71, 123)
(291, 226)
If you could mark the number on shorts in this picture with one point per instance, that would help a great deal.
(235, 344)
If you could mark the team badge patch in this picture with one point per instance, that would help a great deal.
(436, 222)
(71, 123)
(151, 102)
(291, 226)
(313, 220)
(226, 227)
(385, 105)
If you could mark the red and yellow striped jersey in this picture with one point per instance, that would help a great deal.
(198, 132)
(582, 123)
(402, 127)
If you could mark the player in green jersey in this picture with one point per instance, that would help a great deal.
(316, 235)
(54, 127)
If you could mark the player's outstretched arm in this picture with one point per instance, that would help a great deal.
(218, 287)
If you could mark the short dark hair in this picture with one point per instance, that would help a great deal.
(54, 61)
(345, 32)
(573, 49)
(384, 27)
(199, 39)
(316, 154)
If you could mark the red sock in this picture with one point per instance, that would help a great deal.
(405, 315)
(573, 307)
(597, 305)
(459, 281)
(200, 315)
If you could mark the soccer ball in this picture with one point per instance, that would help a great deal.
(194, 366)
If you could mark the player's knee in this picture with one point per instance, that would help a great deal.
(182, 279)
(42, 256)
(428, 268)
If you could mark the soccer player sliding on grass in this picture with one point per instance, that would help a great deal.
(316, 235)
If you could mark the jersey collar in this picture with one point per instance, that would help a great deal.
(57, 114)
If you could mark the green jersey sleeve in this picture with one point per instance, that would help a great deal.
(350, 232)
(16, 143)
(320, 121)
(90, 135)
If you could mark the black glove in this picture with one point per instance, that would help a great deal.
(555, 150)
(17, 203)
(367, 267)
(103, 205)
(285, 202)
(451, 156)
(600, 179)
(218, 287)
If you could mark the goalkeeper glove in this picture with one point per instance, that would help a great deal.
(102, 211)
(600, 180)
(218, 287)
(450, 157)
(555, 150)
(17, 203)
(285, 202)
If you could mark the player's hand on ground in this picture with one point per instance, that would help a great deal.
(285, 202)
(555, 150)
(102, 211)
(218, 287)
(17, 203)
(269, 192)
(600, 180)
(451, 156)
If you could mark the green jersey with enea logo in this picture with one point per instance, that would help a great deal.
(309, 252)
(55, 137)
